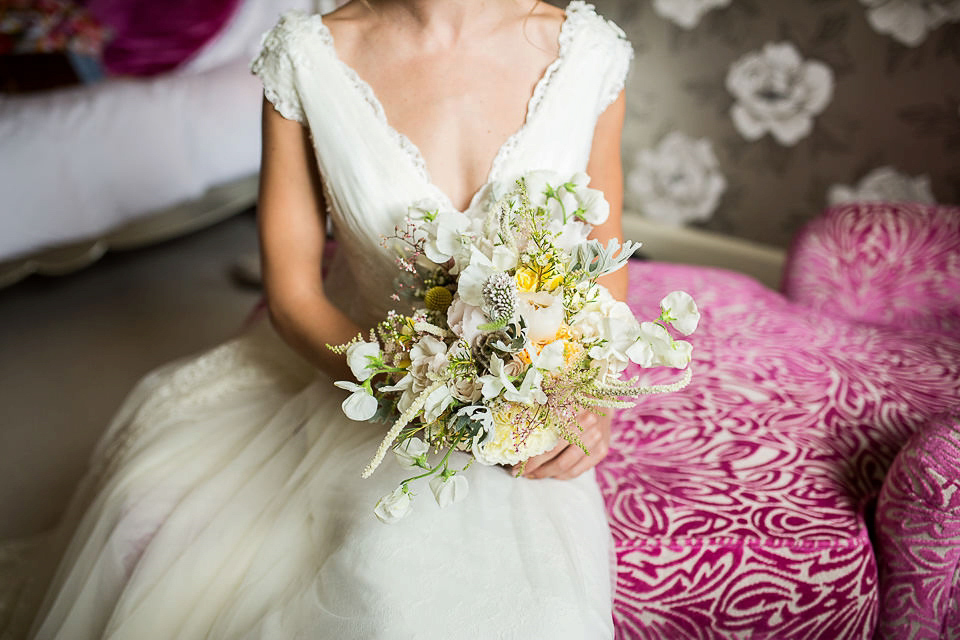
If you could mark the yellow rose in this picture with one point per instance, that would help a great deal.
(527, 279)
(553, 282)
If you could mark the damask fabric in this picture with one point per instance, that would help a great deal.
(225, 500)
(900, 265)
(918, 527)
(738, 505)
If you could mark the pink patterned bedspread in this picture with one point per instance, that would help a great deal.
(740, 506)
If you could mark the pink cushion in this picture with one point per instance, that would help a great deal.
(737, 505)
(152, 37)
(918, 529)
(890, 264)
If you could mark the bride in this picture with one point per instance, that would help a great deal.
(224, 501)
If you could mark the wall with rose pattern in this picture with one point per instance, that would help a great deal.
(747, 117)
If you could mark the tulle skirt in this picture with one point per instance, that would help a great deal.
(225, 501)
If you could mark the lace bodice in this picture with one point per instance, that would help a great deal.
(372, 173)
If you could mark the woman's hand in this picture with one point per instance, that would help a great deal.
(566, 461)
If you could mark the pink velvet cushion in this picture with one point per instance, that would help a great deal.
(890, 264)
(918, 531)
(152, 37)
(736, 505)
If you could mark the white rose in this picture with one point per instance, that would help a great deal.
(777, 91)
(428, 355)
(464, 319)
(394, 506)
(450, 490)
(909, 21)
(360, 405)
(686, 13)
(358, 359)
(885, 184)
(543, 313)
(679, 181)
(467, 389)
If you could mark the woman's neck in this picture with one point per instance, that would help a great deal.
(444, 22)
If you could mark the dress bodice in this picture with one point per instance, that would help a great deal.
(372, 173)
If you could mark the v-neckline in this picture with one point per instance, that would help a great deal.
(412, 151)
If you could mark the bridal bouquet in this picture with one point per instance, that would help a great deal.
(509, 338)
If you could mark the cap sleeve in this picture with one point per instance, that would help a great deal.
(607, 55)
(274, 66)
(620, 56)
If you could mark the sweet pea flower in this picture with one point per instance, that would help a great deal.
(360, 405)
(444, 231)
(411, 452)
(529, 391)
(450, 490)
(359, 356)
(680, 310)
(655, 347)
(550, 357)
(394, 506)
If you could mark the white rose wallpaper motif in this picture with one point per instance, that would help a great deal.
(677, 182)
(909, 21)
(686, 13)
(778, 92)
(749, 117)
(884, 184)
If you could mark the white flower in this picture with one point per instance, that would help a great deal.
(479, 270)
(568, 236)
(465, 319)
(681, 312)
(498, 382)
(466, 389)
(686, 13)
(543, 313)
(360, 405)
(450, 490)
(591, 203)
(394, 506)
(679, 181)
(358, 359)
(885, 184)
(778, 92)
(656, 348)
(410, 452)
(428, 355)
(436, 403)
(909, 21)
(550, 357)
(444, 231)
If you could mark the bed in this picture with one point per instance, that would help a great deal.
(133, 159)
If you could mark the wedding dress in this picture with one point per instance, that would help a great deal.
(225, 499)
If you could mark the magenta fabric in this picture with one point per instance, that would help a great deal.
(152, 37)
(738, 505)
(891, 264)
(918, 530)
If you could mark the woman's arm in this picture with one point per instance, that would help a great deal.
(292, 221)
(606, 173)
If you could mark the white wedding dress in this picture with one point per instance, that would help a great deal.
(225, 499)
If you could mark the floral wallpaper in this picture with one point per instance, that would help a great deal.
(748, 117)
